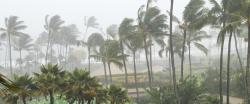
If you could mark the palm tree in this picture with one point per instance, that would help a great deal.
(49, 79)
(171, 48)
(125, 29)
(135, 43)
(90, 23)
(68, 37)
(240, 9)
(152, 25)
(26, 85)
(218, 12)
(193, 18)
(12, 28)
(52, 26)
(194, 37)
(20, 44)
(81, 87)
(117, 95)
(110, 53)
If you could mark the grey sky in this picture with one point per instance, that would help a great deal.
(73, 11)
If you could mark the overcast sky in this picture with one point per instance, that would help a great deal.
(73, 11)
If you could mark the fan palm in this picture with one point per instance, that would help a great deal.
(81, 86)
(13, 27)
(26, 85)
(52, 26)
(117, 95)
(48, 80)
(20, 44)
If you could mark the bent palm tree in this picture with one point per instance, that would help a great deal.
(12, 28)
(20, 44)
(52, 26)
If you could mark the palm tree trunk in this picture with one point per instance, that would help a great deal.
(182, 54)
(105, 72)
(238, 53)
(20, 54)
(110, 74)
(189, 56)
(151, 61)
(24, 100)
(47, 49)
(5, 58)
(51, 97)
(170, 69)
(221, 65)
(124, 64)
(171, 50)
(248, 62)
(89, 58)
(10, 57)
(228, 65)
(135, 76)
(146, 55)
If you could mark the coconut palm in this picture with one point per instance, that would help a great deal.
(171, 47)
(125, 29)
(90, 23)
(48, 80)
(52, 26)
(152, 25)
(13, 27)
(219, 17)
(110, 53)
(194, 17)
(240, 9)
(68, 37)
(20, 44)
(134, 44)
(195, 37)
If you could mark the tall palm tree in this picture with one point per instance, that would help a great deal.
(171, 47)
(12, 28)
(194, 37)
(68, 37)
(20, 44)
(94, 41)
(52, 26)
(218, 12)
(134, 44)
(194, 17)
(152, 25)
(90, 23)
(125, 29)
(240, 8)
(110, 52)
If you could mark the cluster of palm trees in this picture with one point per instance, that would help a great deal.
(75, 86)
(148, 30)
